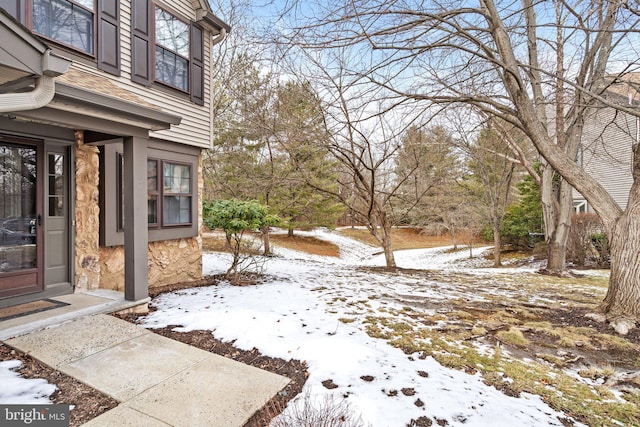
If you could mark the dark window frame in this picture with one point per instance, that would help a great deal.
(159, 192)
(111, 233)
(74, 4)
(156, 45)
(154, 192)
(105, 40)
(164, 194)
(143, 52)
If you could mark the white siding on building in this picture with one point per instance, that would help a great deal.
(606, 152)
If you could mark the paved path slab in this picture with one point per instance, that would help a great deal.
(74, 340)
(159, 381)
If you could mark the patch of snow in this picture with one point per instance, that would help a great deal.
(299, 314)
(17, 390)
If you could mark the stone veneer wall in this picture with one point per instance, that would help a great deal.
(169, 261)
(87, 217)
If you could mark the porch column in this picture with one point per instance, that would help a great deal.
(136, 239)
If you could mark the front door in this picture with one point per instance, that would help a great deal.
(21, 238)
(56, 235)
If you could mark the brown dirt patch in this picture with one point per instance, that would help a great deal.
(217, 243)
(88, 402)
(306, 244)
(329, 384)
(408, 238)
(205, 281)
(605, 354)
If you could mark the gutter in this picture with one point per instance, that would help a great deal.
(44, 89)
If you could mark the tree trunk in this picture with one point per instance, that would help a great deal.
(290, 232)
(621, 305)
(452, 230)
(386, 246)
(232, 273)
(497, 262)
(265, 241)
(388, 252)
(557, 206)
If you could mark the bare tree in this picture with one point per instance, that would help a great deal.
(491, 181)
(364, 134)
(543, 67)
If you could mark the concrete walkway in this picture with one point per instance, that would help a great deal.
(158, 381)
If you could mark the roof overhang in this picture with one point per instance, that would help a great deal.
(211, 21)
(78, 108)
(149, 118)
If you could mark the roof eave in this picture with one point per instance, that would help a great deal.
(154, 119)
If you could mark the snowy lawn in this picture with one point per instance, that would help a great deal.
(380, 336)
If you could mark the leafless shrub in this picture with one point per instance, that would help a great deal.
(250, 266)
(327, 411)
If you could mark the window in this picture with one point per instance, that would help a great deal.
(167, 205)
(152, 192)
(172, 192)
(176, 194)
(65, 21)
(56, 185)
(172, 50)
(174, 56)
(87, 27)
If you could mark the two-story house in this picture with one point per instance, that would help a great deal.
(606, 146)
(104, 113)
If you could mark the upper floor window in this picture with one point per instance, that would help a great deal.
(167, 49)
(65, 21)
(172, 50)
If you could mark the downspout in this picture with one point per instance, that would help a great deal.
(40, 96)
(42, 93)
(219, 38)
(221, 35)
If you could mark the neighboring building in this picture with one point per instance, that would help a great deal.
(104, 113)
(606, 147)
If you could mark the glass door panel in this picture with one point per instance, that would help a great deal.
(20, 219)
(17, 208)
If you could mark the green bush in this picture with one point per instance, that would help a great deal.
(524, 217)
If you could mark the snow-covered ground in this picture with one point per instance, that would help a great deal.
(17, 390)
(297, 314)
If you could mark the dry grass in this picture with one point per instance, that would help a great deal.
(407, 238)
(216, 243)
(402, 238)
(306, 244)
